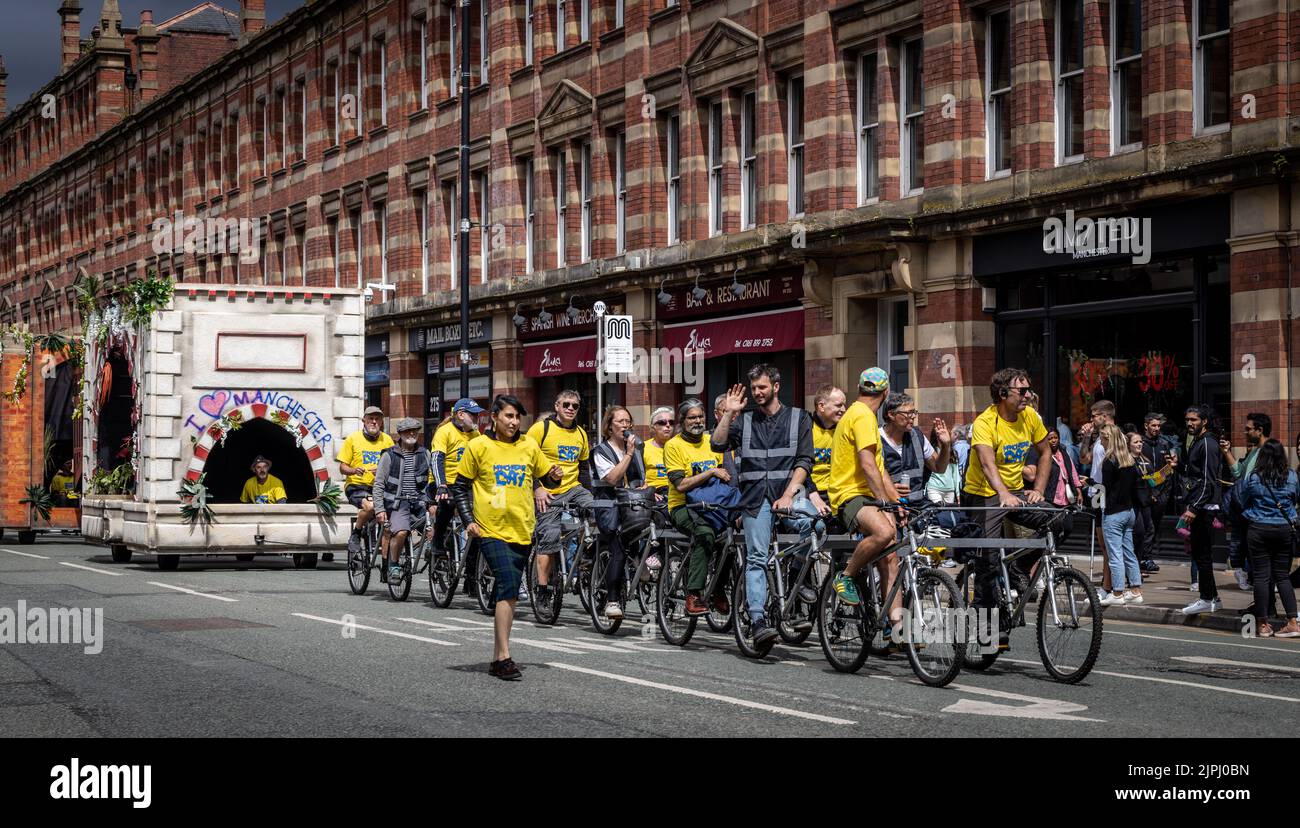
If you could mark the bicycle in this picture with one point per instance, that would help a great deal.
(792, 615)
(415, 555)
(670, 591)
(1067, 602)
(932, 634)
(363, 560)
(639, 579)
(447, 568)
(572, 576)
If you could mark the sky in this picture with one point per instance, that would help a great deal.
(29, 38)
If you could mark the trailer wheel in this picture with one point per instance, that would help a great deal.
(244, 558)
(27, 537)
(121, 554)
(304, 560)
(167, 563)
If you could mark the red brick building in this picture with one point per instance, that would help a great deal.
(846, 184)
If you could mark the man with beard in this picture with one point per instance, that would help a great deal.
(358, 458)
(400, 484)
(691, 462)
(1201, 500)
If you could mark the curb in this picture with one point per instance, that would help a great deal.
(1224, 621)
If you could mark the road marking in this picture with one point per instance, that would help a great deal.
(25, 554)
(550, 645)
(1038, 708)
(1203, 641)
(1231, 690)
(194, 592)
(475, 622)
(355, 626)
(586, 645)
(440, 627)
(1230, 662)
(700, 694)
(90, 569)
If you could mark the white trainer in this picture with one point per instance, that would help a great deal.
(1198, 606)
(613, 610)
(1114, 599)
(1131, 597)
(1243, 580)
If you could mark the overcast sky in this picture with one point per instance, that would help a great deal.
(29, 38)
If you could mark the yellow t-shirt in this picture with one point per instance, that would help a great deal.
(64, 483)
(1010, 443)
(567, 447)
(690, 459)
(503, 476)
(268, 492)
(656, 473)
(858, 429)
(823, 442)
(451, 441)
(361, 453)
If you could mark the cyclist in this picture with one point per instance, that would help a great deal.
(446, 448)
(1001, 437)
(565, 444)
(494, 497)
(616, 464)
(400, 483)
(776, 455)
(691, 463)
(858, 477)
(358, 458)
(908, 452)
(662, 426)
(830, 404)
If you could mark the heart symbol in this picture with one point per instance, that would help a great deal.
(213, 404)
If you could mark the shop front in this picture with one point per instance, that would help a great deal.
(439, 348)
(559, 353)
(376, 370)
(1145, 325)
(728, 326)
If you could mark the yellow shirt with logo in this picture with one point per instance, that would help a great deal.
(690, 459)
(656, 473)
(858, 429)
(502, 476)
(823, 442)
(361, 453)
(269, 492)
(1010, 443)
(65, 484)
(566, 447)
(451, 441)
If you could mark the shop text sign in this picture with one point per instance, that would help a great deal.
(557, 324)
(212, 405)
(724, 297)
(448, 336)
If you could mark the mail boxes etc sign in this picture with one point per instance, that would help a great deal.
(441, 337)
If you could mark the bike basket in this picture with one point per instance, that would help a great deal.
(636, 510)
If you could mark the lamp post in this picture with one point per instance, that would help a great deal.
(463, 91)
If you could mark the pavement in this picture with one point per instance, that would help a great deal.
(222, 648)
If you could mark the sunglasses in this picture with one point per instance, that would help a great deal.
(665, 422)
(572, 405)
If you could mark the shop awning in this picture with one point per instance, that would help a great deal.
(561, 356)
(755, 333)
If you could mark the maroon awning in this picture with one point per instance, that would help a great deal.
(754, 333)
(564, 356)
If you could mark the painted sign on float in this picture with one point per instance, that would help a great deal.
(215, 403)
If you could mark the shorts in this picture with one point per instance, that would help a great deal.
(849, 512)
(356, 495)
(507, 561)
(401, 518)
(548, 522)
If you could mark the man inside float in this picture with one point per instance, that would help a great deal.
(263, 487)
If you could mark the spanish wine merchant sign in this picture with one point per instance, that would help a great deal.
(213, 404)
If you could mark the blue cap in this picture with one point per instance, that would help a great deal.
(467, 404)
(874, 381)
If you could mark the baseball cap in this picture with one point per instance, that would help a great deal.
(407, 424)
(467, 404)
(259, 459)
(374, 409)
(873, 380)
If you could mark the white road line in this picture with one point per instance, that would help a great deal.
(440, 627)
(25, 554)
(1198, 685)
(700, 694)
(1230, 662)
(584, 645)
(1037, 708)
(393, 633)
(90, 569)
(550, 645)
(1286, 650)
(476, 622)
(193, 592)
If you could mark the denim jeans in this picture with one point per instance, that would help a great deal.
(758, 545)
(1118, 531)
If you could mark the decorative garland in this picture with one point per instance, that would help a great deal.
(195, 510)
(221, 429)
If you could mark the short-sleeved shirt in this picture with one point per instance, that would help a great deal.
(64, 483)
(1010, 443)
(822, 443)
(451, 441)
(690, 459)
(272, 491)
(566, 447)
(656, 473)
(858, 429)
(363, 453)
(502, 475)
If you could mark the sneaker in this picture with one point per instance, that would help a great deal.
(1265, 630)
(543, 595)
(523, 594)
(808, 595)
(1291, 630)
(1114, 599)
(1102, 596)
(1198, 606)
(762, 633)
(1149, 566)
(847, 590)
(395, 574)
(653, 563)
(1216, 604)
(695, 605)
(1131, 597)
(1243, 580)
(613, 610)
(354, 544)
(505, 669)
(948, 563)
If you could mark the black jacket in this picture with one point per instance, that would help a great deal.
(1200, 474)
(777, 445)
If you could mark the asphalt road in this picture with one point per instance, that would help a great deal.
(261, 649)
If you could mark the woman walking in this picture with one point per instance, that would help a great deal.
(1268, 503)
(1119, 476)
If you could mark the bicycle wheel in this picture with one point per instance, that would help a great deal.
(842, 630)
(670, 600)
(796, 628)
(487, 586)
(741, 625)
(975, 658)
(402, 588)
(598, 596)
(359, 567)
(932, 640)
(443, 574)
(548, 611)
(1069, 626)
